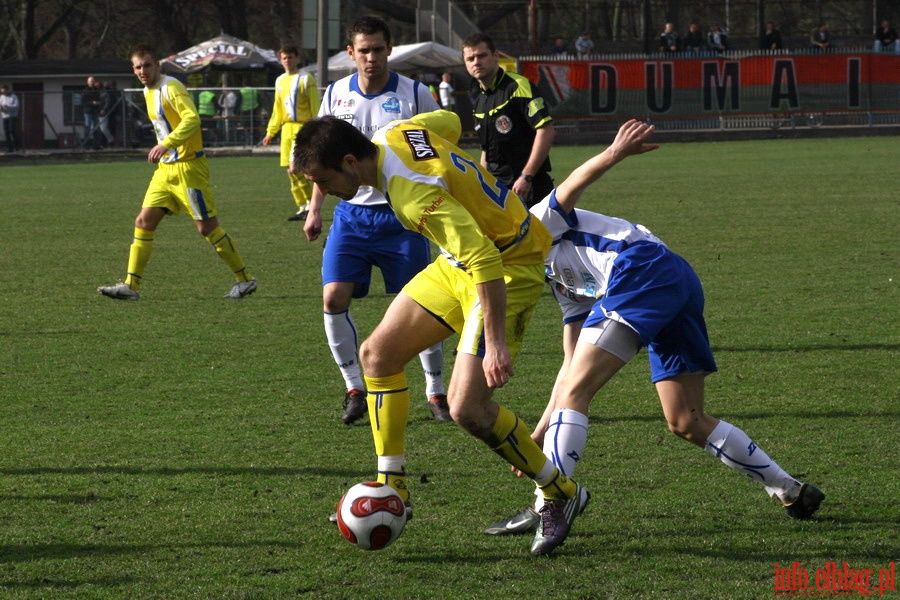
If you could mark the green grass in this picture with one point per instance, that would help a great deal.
(185, 446)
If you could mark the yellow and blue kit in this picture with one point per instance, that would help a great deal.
(296, 102)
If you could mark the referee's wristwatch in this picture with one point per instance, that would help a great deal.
(527, 177)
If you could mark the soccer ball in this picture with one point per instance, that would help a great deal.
(371, 515)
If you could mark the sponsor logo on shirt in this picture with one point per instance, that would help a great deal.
(348, 103)
(503, 124)
(391, 105)
(423, 220)
(419, 144)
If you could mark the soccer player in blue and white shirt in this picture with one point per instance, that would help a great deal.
(365, 233)
(621, 288)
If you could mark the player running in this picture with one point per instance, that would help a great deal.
(181, 181)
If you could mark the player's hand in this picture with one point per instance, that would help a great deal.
(522, 188)
(497, 366)
(267, 140)
(313, 226)
(156, 153)
(631, 138)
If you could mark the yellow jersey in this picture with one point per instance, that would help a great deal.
(440, 191)
(175, 120)
(296, 100)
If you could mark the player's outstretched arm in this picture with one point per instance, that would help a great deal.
(630, 140)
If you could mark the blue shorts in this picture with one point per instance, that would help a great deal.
(365, 236)
(659, 295)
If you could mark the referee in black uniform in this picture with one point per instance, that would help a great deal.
(513, 123)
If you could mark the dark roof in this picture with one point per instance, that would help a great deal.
(81, 66)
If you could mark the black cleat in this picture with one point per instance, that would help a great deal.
(806, 504)
(354, 406)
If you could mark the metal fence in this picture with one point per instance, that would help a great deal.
(737, 90)
(55, 120)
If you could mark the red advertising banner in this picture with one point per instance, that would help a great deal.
(711, 85)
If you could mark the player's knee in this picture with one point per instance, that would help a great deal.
(378, 361)
(336, 298)
(688, 428)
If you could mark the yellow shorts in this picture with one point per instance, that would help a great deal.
(182, 186)
(449, 293)
(289, 131)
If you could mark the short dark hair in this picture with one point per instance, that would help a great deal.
(289, 49)
(479, 38)
(145, 50)
(327, 140)
(368, 25)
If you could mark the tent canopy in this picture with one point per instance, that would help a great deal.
(407, 58)
(223, 53)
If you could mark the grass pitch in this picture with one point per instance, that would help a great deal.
(185, 446)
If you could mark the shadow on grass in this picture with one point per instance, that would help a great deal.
(45, 582)
(31, 552)
(209, 470)
(806, 348)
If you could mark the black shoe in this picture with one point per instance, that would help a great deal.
(440, 410)
(806, 504)
(300, 215)
(354, 406)
(524, 521)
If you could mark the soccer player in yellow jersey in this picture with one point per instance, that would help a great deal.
(181, 181)
(296, 102)
(484, 287)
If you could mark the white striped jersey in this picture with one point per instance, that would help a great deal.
(401, 98)
(175, 120)
(585, 244)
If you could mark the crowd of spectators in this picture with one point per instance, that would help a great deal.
(716, 41)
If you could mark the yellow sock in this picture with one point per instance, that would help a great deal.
(139, 256)
(511, 440)
(388, 401)
(559, 486)
(301, 190)
(227, 251)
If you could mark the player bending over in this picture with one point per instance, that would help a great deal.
(621, 288)
(484, 287)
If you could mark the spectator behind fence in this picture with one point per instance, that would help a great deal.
(90, 108)
(109, 106)
(693, 39)
(228, 102)
(206, 103)
(717, 39)
(559, 47)
(669, 40)
(820, 38)
(772, 38)
(448, 102)
(886, 38)
(584, 45)
(9, 112)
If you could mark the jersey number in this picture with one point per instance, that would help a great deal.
(497, 193)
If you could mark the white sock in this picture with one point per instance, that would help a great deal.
(734, 448)
(432, 360)
(565, 439)
(391, 464)
(343, 341)
(564, 444)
